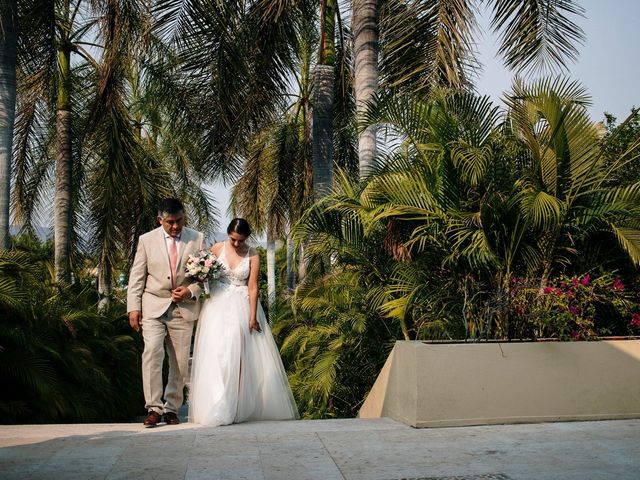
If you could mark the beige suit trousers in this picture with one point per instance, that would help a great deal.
(176, 332)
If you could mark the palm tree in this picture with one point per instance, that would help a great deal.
(566, 190)
(364, 22)
(69, 32)
(222, 49)
(247, 48)
(8, 46)
(418, 45)
(323, 99)
(471, 198)
(128, 151)
(523, 197)
(275, 187)
(46, 72)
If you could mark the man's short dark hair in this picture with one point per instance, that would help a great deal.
(170, 206)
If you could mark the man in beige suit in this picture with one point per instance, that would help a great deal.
(164, 303)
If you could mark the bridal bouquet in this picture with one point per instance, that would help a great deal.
(203, 266)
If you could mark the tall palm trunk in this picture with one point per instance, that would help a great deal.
(8, 41)
(271, 273)
(291, 278)
(322, 130)
(365, 31)
(104, 286)
(322, 115)
(62, 205)
(302, 263)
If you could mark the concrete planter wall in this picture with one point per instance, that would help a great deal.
(440, 385)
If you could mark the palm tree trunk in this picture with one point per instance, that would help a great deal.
(8, 41)
(104, 287)
(271, 273)
(302, 264)
(365, 31)
(322, 114)
(62, 204)
(322, 131)
(291, 278)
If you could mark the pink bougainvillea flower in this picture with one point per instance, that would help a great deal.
(618, 285)
(635, 320)
(575, 311)
(575, 335)
(547, 290)
(585, 280)
(574, 280)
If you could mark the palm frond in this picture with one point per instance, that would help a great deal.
(537, 35)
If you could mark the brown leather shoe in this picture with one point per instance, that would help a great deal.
(152, 419)
(171, 418)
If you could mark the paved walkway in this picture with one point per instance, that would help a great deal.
(324, 450)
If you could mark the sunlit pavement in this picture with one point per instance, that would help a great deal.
(323, 450)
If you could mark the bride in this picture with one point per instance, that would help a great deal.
(237, 373)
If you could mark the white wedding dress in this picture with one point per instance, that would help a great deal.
(236, 376)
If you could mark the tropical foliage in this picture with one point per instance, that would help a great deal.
(60, 359)
(124, 150)
(468, 221)
(464, 228)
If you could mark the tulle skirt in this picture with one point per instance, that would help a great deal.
(236, 376)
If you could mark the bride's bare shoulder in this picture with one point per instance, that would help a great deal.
(216, 248)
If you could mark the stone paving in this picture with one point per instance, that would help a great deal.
(354, 449)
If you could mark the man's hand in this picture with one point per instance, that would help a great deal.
(135, 320)
(180, 293)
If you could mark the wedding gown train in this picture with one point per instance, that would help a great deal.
(236, 376)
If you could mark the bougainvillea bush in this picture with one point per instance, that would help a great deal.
(576, 308)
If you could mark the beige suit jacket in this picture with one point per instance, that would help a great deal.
(149, 288)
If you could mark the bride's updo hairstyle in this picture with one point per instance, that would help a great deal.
(240, 226)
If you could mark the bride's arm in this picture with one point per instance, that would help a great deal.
(253, 291)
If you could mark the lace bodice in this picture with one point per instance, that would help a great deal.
(239, 275)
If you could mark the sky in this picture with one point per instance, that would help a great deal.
(608, 66)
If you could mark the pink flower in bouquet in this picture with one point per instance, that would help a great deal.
(585, 280)
(203, 267)
(547, 290)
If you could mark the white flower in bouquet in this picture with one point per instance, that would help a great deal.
(203, 266)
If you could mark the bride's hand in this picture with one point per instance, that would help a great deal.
(254, 325)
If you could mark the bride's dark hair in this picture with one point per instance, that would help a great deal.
(240, 226)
